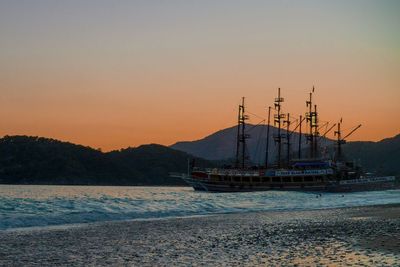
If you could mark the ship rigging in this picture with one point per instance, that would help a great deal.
(316, 172)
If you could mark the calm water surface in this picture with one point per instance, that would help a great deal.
(30, 205)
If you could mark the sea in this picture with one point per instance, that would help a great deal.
(24, 206)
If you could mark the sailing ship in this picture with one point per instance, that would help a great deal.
(311, 172)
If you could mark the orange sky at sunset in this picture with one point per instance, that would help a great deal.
(117, 74)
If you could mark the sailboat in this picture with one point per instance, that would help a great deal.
(310, 171)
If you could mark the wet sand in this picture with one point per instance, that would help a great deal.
(364, 236)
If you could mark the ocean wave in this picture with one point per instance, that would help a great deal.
(28, 206)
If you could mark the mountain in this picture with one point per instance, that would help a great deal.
(37, 160)
(151, 164)
(221, 145)
(382, 157)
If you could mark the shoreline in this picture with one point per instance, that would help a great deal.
(340, 236)
(99, 223)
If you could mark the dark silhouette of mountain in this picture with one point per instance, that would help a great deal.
(221, 145)
(382, 157)
(151, 164)
(36, 160)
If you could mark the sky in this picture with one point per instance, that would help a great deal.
(113, 74)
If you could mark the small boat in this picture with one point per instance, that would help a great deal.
(311, 173)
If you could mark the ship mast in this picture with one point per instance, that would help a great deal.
(238, 139)
(241, 137)
(301, 120)
(267, 144)
(293, 130)
(316, 132)
(312, 119)
(277, 120)
(287, 121)
(341, 141)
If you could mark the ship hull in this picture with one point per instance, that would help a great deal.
(378, 183)
(367, 184)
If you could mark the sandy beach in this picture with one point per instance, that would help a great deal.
(364, 236)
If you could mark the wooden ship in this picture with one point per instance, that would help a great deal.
(308, 171)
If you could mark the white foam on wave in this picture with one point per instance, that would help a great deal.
(30, 206)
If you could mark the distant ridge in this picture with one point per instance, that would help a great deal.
(382, 157)
(38, 160)
(221, 144)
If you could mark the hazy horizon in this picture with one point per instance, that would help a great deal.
(114, 74)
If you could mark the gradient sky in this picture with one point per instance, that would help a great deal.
(112, 74)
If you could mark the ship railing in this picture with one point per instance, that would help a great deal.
(371, 179)
(233, 172)
(303, 172)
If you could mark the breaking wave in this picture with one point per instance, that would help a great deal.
(28, 206)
